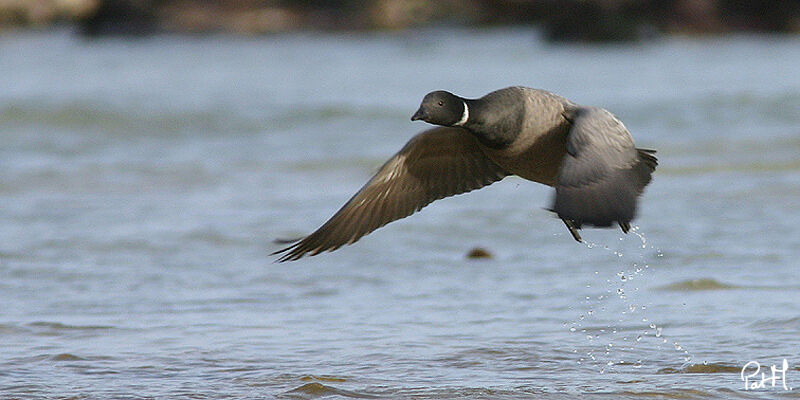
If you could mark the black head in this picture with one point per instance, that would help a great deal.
(440, 108)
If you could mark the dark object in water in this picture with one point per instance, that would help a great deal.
(479, 253)
(586, 153)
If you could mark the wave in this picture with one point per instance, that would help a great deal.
(93, 116)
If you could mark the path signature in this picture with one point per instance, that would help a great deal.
(752, 379)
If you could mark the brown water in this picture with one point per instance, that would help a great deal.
(141, 184)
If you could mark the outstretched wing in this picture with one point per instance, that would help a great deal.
(434, 164)
(602, 174)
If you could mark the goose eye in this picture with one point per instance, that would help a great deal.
(441, 103)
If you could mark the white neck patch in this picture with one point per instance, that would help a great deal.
(464, 116)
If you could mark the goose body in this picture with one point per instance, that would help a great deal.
(586, 153)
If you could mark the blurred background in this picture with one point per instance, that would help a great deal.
(150, 151)
(586, 20)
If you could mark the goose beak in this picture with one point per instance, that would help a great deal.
(420, 114)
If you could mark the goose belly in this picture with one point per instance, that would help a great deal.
(537, 159)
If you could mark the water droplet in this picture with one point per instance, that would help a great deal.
(632, 307)
(639, 338)
(572, 329)
(658, 332)
(652, 326)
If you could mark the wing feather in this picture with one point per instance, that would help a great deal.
(602, 174)
(435, 164)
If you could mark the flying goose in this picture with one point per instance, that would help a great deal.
(586, 153)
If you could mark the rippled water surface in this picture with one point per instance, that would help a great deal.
(142, 183)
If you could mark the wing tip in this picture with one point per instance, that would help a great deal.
(293, 252)
(295, 242)
(304, 247)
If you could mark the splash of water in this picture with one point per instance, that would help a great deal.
(633, 271)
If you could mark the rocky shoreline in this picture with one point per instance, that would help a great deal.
(562, 20)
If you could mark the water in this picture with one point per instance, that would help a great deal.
(141, 184)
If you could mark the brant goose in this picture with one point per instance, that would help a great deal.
(586, 153)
